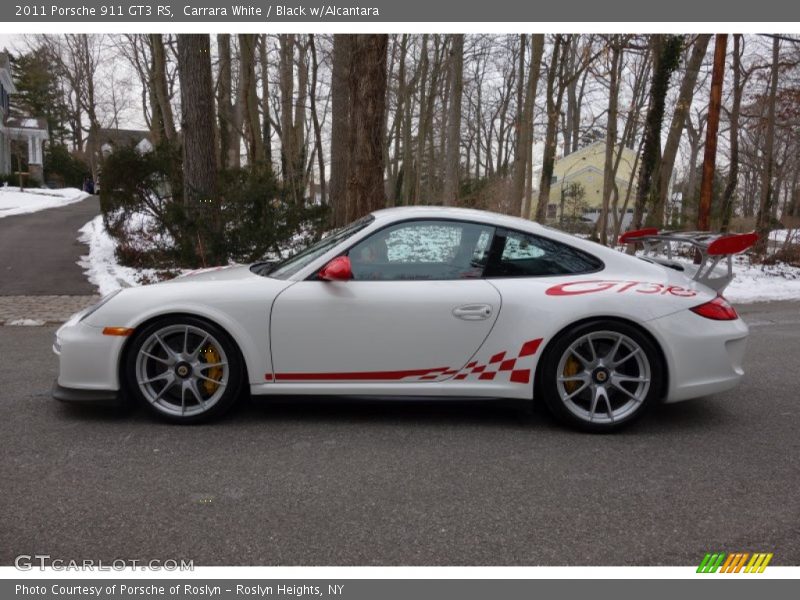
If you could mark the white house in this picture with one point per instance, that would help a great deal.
(31, 130)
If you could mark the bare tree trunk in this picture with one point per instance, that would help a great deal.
(367, 86)
(340, 113)
(199, 145)
(266, 124)
(521, 199)
(553, 109)
(315, 119)
(765, 204)
(611, 137)
(712, 129)
(248, 100)
(682, 106)
(451, 175)
(160, 91)
(292, 161)
(689, 194)
(666, 55)
(229, 155)
(733, 118)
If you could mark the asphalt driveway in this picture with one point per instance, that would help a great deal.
(39, 251)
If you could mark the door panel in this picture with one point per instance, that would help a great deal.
(367, 331)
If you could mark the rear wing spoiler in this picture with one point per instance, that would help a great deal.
(712, 248)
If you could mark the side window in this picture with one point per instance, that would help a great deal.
(423, 250)
(526, 255)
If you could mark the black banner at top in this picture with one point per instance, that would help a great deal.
(392, 11)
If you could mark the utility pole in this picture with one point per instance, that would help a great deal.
(710, 156)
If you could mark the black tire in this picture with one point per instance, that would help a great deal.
(228, 396)
(577, 412)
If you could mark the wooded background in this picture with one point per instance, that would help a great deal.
(359, 122)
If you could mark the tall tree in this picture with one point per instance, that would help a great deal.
(228, 132)
(712, 129)
(266, 124)
(161, 96)
(553, 98)
(764, 215)
(616, 46)
(367, 88)
(248, 101)
(666, 57)
(521, 201)
(682, 106)
(452, 162)
(292, 117)
(733, 132)
(340, 108)
(315, 118)
(199, 146)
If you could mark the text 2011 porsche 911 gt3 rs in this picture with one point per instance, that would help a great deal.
(422, 301)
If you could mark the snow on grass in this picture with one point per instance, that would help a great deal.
(14, 202)
(763, 283)
(101, 266)
(780, 236)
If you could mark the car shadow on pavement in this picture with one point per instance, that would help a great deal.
(700, 414)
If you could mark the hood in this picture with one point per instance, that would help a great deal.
(225, 273)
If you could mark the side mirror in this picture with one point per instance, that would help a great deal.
(337, 270)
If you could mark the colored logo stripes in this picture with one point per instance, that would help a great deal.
(735, 562)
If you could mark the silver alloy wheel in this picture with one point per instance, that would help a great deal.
(182, 370)
(603, 377)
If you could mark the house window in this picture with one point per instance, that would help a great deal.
(552, 211)
(553, 179)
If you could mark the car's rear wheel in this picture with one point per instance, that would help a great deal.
(184, 369)
(601, 375)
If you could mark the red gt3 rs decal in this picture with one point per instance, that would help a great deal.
(592, 286)
(497, 366)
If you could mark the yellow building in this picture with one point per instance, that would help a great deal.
(577, 183)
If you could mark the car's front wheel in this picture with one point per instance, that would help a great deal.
(601, 375)
(184, 369)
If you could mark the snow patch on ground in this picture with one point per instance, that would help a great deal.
(26, 322)
(760, 283)
(14, 202)
(101, 266)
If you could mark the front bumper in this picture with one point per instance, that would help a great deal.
(88, 360)
(78, 396)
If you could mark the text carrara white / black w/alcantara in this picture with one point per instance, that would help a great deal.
(423, 302)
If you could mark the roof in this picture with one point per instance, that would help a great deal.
(449, 212)
(120, 137)
(33, 123)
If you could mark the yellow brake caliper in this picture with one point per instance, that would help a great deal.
(212, 357)
(572, 367)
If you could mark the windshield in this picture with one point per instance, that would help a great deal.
(292, 265)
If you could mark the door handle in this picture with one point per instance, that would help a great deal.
(473, 312)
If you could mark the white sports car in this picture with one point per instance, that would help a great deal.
(423, 302)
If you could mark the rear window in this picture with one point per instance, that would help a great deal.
(527, 255)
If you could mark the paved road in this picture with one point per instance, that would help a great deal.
(39, 251)
(333, 483)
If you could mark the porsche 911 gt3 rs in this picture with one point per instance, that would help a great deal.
(423, 302)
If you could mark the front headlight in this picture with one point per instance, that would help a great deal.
(102, 301)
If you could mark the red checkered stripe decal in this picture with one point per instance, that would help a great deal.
(517, 368)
